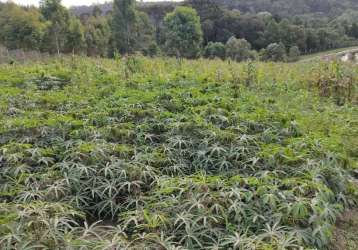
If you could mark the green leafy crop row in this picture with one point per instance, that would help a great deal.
(164, 154)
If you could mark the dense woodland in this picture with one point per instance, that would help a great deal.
(241, 30)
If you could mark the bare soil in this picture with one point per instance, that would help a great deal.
(346, 233)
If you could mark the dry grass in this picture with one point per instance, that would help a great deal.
(345, 235)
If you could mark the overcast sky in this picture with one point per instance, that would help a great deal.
(68, 2)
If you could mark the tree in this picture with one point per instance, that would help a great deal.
(215, 50)
(211, 13)
(239, 49)
(152, 50)
(97, 35)
(228, 25)
(271, 34)
(124, 25)
(145, 32)
(75, 39)
(250, 27)
(292, 35)
(58, 18)
(312, 40)
(21, 28)
(96, 12)
(183, 32)
(329, 38)
(294, 54)
(274, 52)
(353, 31)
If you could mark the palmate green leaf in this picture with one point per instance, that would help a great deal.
(299, 209)
(216, 151)
(7, 240)
(160, 241)
(30, 195)
(191, 238)
(322, 234)
(57, 190)
(270, 199)
(154, 221)
(108, 207)
(223, 165)
(240, 241)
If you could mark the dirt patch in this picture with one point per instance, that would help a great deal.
(346, 234)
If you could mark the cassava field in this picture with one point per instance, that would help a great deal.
(142, 153)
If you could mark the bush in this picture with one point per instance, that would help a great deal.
(215, 50)
(239, 49)
(294, 54)
(274, 52)
(152, 50)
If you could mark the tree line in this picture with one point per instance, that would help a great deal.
(191, 29)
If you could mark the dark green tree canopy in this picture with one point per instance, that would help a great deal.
(215, 50)
(183, 32)
(97, 35)
(75, 38)
(21, 28)
(294, 54)
(128, 27)
(59, 21)
(274, 52)
(124, 25)
(239, 49)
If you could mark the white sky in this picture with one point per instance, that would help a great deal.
(68, 2)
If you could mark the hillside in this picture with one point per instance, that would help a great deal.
(107, 7)
(283, 8)
(292, 7)
(145, 153)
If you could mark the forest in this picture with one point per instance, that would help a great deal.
(239, 30)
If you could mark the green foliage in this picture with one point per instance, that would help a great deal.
(58, 19)
(152, 50)
(21, 28)
(124, 25)
(239, 50)
(97, 34)
(131, 29)
(156, 153)
(145, 33)
(97, 12)
(274, 52)
(353, 31)
(183, 32)
(75, 37)
(294, 54)
(215, 50)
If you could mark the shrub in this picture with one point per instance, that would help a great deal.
(294, 54)
(215, 50)
(152, 50)
(239, 49)
(274, 52)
